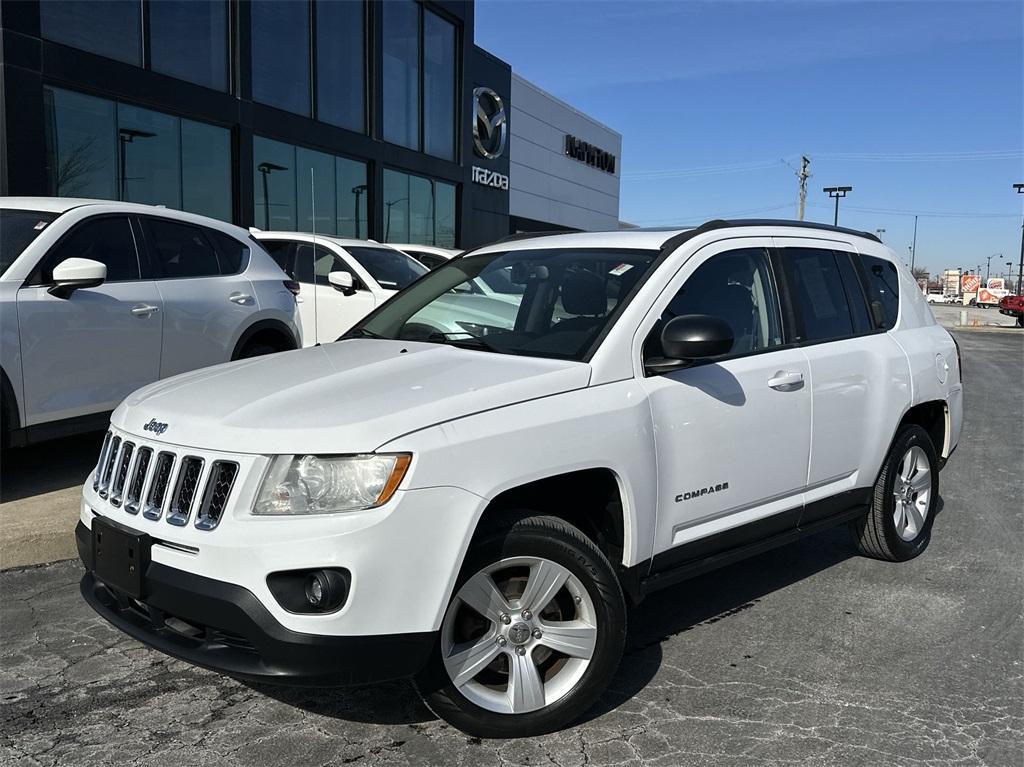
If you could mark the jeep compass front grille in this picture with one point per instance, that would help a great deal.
(162, 484)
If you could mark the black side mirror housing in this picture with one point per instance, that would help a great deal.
(690, 337)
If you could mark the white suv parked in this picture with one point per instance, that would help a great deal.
(98, 298)
(478, 508)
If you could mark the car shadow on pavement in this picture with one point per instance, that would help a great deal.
(700, 601)
(48, 466)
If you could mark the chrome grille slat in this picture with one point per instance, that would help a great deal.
(215, 498)
(102, 461)
(133, 494)
(108, 465)
(121, 473)
(158, 486)
(185, 490)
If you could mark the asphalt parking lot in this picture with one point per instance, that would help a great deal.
(806, 655)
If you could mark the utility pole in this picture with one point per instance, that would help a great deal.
(1020, 269)
(988, 266)
(913, 247)
(802, 176)
(836, 192)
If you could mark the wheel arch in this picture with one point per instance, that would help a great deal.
(274, 331)
(9, 409)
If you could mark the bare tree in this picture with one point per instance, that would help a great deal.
(920, 273)
(74, 169)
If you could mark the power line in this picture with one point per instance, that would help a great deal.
(921, 213)
(700, 219)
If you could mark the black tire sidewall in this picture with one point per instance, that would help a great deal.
(252, 350)
(567, 547)
(908, 437)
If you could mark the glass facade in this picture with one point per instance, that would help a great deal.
(412, 35)
(438, 86)
(340, 64)
(110, 28)
(418, 210)
(280, 54)
(401, 81)
(99, 148)
(291, 184)
(188, 39)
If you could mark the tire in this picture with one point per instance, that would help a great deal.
(529, 553)
(256, 350)
(897, 531)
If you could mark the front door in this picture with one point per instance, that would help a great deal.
(323, 306)
(85, 353)
(732, 434)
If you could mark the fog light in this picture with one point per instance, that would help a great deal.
(316, 585)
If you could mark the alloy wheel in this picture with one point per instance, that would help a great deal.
(912, 491)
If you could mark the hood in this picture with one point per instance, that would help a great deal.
(346, 397)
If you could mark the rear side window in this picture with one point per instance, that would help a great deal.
(283, 253)
(108, 240)
(854, 293)
(883, 288)
(818, 293)
(230, 252)
(181, 250)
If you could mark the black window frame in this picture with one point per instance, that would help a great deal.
(862, 269)
(154, 260)
(35, 278)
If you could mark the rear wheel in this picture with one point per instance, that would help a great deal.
(256, 349)
(898, 525)
(531, 637)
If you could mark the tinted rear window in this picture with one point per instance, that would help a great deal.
(17, 229)
(182, 250)
(883, 286)
(819, 294)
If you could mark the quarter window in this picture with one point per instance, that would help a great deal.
(107, 240)
(883, 287)
(736, 287)
(180, 249)
(819, 294)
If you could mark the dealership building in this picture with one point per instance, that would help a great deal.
(360, 119)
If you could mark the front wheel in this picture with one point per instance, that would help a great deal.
(531, 637)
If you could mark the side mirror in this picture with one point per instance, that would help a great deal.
(342, 281)
(690, 337)
(74, 273)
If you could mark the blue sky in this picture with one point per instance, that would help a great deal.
(917, 105)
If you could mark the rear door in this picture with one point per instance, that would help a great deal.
(206, 294)
(85, 353)
(853, 363)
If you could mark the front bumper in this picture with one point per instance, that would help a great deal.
(224, 627)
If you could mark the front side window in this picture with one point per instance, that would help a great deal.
(18, 228)
(316, 264)
(883, 287)
(736, 287)
(569, 296)
(390, 269)
(107, 240)
(819, 295)
(181, 250)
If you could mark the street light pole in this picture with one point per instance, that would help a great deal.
(265, 169)
(836, 192)
(127, 136)
(1020, 269)
(358, 190)
(879, 232)
(913, 247)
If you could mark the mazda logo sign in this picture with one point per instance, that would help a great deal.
(490, 125)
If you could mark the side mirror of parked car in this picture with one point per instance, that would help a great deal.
(690, 337)
(342, 281)
(74, 273)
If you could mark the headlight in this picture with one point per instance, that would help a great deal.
(320, 484)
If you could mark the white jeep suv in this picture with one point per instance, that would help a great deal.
(477, 508)
(98, 298)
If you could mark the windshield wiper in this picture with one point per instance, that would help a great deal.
(360, 333)
(471, 342)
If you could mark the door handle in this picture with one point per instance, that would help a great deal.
(240, 298)
(144, 310)
(785, 380)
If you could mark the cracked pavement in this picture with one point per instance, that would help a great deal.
(807, 655)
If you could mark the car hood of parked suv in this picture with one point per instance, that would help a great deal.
(347, 397)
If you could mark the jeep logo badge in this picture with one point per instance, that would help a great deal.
(155, 426)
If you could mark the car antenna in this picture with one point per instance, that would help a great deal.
(312, 198)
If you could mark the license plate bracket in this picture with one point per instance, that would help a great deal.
(120, 556)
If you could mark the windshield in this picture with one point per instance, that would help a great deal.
(17, 229)
(391, 269)
(562, 301)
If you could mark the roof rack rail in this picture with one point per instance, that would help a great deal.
(531, 235)
(719, 223)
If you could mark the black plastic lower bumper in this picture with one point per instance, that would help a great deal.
(224, 627)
